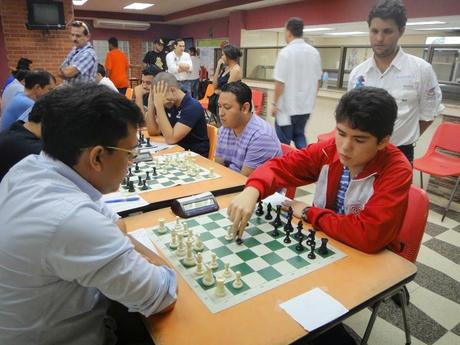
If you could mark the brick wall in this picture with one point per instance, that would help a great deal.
(46, 51)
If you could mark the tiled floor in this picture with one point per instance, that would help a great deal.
(434, 310)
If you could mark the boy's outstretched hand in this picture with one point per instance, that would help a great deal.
(241, 209)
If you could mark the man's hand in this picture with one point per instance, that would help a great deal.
(159, 94)
(241, 209)
(297, 207)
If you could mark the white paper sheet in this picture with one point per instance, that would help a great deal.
(141, 236)
(118, 202)
(314, 309)
(276, 199)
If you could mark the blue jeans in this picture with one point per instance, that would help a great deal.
(194, 87)
(185, 86)
(293, 132)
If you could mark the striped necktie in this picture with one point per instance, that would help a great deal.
(343, 186)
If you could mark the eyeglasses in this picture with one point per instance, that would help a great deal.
(132, 153)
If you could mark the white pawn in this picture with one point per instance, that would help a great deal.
(213, 264)
(220, 287)
(181, 251)
(229, 235)
(173, 244)
(198, 246)
(237, 283)
(208, 279)
(178, 226)
(199, 265)
(189, 260)
(227, 272)
(162, 229)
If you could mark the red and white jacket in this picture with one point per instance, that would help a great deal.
(375, 202)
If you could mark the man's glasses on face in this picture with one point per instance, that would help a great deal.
(132, 154)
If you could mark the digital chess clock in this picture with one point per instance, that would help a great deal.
(195, 205)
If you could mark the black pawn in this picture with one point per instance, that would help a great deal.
(154, 171)
(312, 255)
(147, 175)
(130, 173)
(137, 168)
(148, 143)
(268, 216)
(260, 209)
(277, 222)
(131, 187)
(299, 234)
(323, 250)
(311, 237)
(275, 232)
(140, 181)
(299, 247)
(239, 241)
(287, 239)
(290, 213)
(144, 185)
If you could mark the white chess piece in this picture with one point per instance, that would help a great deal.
(178, 226)
(199, 265)
(237, 283)
(189, 260)
(227, 272)
(213, 264)
(162, 228)
(181, 251)
(229, 235)
(220, 287)
(173, 244)
(198, 246)
(208, 279)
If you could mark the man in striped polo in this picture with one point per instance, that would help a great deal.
(245, 140)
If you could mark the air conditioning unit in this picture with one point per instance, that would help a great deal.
(120, 24)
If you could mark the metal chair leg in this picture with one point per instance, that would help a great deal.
(370, 325)
(421, 179)
(450, 199)
(402, 295)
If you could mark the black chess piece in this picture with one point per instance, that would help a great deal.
(312, 255)
(311, 237)
(299, 247)
(147, 175)
(148, 143)
(269, 216)
(299, 234)
(139, 183)
(277, 222)
(131, 187)
(130, 173)
(137, 168)
(239, 241)
(323, 250)
(287, 239)
(260, 209)
(154, 171)
(275, 232)
(290, 212)
(144, 185)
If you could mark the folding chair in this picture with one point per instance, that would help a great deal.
(258, 101)
(210, 117)
(439, 163)
(129, 93)
(410, 236)
(290, 191)
(212, 135)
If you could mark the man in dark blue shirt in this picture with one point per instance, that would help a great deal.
(176, 115)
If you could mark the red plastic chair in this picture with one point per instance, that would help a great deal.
(290, 192)
(441, 164)
(326, 136)
(258, 101)
(410, 236)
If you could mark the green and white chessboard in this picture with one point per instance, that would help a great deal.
(171, 170)
(264, 261)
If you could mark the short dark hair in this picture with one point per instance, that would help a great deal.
(113, 41)
(389, 9)
(20, 74)
(232, 52)
(178, 40)
(295, 26)
(369, 109)
(36, 114)
(241, 91)
(85, 115)
(192, 50)
(101, 70)
(80, 24)
(23, 63)
(151, 70)
(38, 77)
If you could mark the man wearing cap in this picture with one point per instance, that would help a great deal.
(80, 65)
(157, 56)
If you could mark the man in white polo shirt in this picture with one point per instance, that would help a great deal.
(180, 65)
(409, 79)
(297, 75)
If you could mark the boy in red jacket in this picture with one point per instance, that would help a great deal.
(362, 181)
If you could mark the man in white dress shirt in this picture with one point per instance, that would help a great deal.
(62, 253)
(180, 65)
(297, 75)
(409, 79)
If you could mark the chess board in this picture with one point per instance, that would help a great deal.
(171, 170)
(264, 261)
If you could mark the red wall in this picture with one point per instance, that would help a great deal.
(4, 70)
(214, 28)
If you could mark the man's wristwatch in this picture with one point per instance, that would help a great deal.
(304, 214)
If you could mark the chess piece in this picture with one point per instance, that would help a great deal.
(237, 283)
(287, 239)
(198, 246)
(208, 278)
(311, 237)
(312, 255)
(199, 265)
(148, 143)
(162, 228)
(299, 231)
(323, 250)
(131, 187)
(144, 185)
(130, 173)
(277, 222)
(189, 260)
(173, 244)
(299, 247)
(229, 235)
(260, 209)
(220, 287)
(227, 272)
(139, 178)
(213, 264)
(275, 232)
(181, 250)
(178, 226)
(137, 168)
(147, 175)
(239, 241)
(154, 171)
(268, 216)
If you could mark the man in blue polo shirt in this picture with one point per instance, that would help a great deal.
(176, 115)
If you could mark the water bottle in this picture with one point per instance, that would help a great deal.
(325, 80)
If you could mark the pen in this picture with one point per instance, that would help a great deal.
(134, 198)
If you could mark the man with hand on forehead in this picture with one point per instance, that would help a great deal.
(80, 65)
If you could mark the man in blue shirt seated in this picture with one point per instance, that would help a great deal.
(36, 84)
(62, 254)
(176, 115)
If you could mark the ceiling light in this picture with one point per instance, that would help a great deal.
(433, 22)
(79, 2)
(137, 6)
(346, 33)
(438, 29)
(316, 29)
